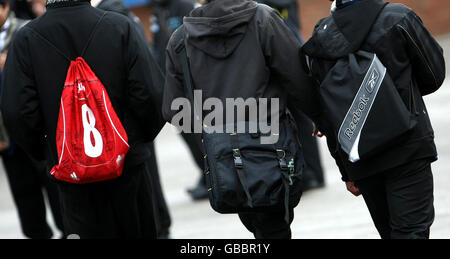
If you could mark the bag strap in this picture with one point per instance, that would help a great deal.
(239, 165)
(180, 50)
(92, 34)
(51, 44)
(286, 177)
(61, 52)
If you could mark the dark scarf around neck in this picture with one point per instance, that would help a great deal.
(62, 3)
(344, 3)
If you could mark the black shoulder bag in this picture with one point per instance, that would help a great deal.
(242, 174)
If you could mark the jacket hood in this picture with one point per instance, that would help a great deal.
(217, 28)
(345, 31)
(114, 6)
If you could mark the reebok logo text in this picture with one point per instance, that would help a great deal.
(349, 131)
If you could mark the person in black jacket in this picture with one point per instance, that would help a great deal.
(397, 184)
(34, 78)
(27, 180)
(167, 17)
(240, 49)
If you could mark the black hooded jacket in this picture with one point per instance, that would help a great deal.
(35, 73)
(413, 58)
(240, 49)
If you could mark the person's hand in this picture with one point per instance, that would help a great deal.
(351, 187)
(38, 6)
(3, 146)
(316, 132)
(2, 60)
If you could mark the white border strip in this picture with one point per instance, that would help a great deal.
(114, 127)
(64, 138)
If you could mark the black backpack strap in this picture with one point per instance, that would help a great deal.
(61, 52)
(92, 34)
(179, 37)
(49, 43)
(239, 165)
(286, 177)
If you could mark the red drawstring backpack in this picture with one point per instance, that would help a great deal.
(90, 139)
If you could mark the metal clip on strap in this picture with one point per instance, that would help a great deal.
(239, 165)
(237, 159)
(281, 154)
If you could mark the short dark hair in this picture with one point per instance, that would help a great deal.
(4, 2)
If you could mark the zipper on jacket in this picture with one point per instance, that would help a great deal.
(420, 53)
(412, 102)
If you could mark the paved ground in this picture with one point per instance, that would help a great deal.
(331, 212)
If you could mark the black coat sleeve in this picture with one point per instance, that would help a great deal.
(284, 57)
(426, 54)
(145, 86)
(20, 102)
(174, 85)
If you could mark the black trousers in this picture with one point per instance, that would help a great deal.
(195, 146)
(268, 225)
(27, 183)
(162, 214)
(119, 208)
(400, 201)
(313, 169)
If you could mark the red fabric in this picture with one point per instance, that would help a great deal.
(90, 138)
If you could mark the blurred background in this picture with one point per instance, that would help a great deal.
(434, 13)
(327, 210)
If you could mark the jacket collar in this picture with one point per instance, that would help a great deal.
(65, 3)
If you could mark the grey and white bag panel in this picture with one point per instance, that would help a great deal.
(363, 107)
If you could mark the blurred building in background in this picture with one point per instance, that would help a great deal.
(143, 10)
(435, 13)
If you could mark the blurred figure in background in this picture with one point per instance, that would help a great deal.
(26, 178)
(313, 172)
(22, 9)
(38, 7)
(119, 7)
(167, 17)
(28, 9)
(288, 10)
